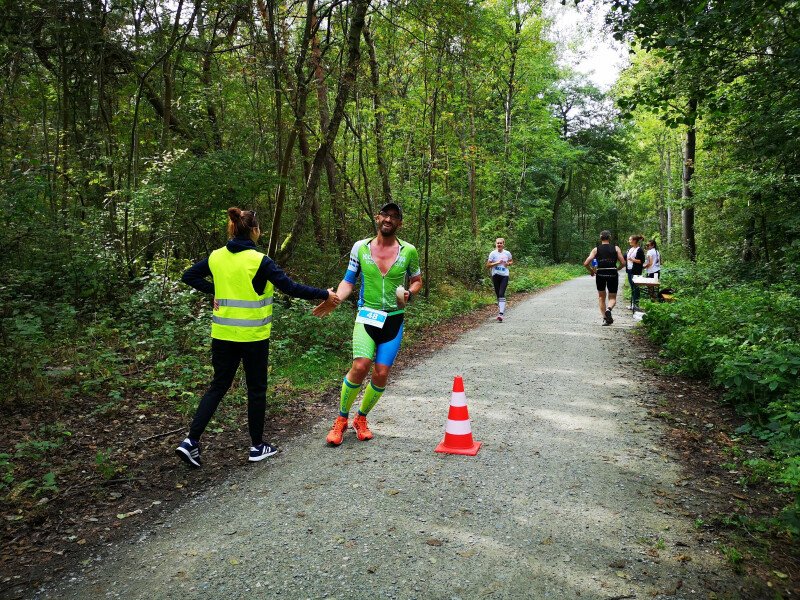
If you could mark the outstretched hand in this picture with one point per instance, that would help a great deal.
(325, 308)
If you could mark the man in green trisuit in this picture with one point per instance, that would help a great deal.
(383, 262)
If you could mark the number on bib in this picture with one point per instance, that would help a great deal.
(369, 316)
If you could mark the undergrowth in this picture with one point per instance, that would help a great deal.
(745, 338)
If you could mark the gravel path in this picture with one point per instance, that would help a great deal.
(562, 501)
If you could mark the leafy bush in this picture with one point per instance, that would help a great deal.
(744, 338)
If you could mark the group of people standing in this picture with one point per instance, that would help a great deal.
(638, 262)
(604, 262)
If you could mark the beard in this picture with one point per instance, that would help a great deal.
(387, 229)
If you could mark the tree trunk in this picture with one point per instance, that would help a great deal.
(169, 80)
(431, 167)
(473, 151)
(383, 171)
(329, 136)
(748, 254)
(469, 150)
(336, 195)
(300, 100)
(561, 194)
(305, 154)
(166, 137)
(280, 193)
(687, 220)
(514, 46)
(662, 192)
(205, 69)
(268, 16)
(669, 196)
(362, 167)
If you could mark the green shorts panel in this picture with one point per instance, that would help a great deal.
(363, 344)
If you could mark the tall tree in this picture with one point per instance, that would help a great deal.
(328, 137)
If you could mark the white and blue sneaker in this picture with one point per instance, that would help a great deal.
(189, 452)
(261, 452)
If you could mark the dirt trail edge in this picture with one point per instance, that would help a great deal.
(562, 501)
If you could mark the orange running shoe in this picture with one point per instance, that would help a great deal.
(337, 431)
(361, 427)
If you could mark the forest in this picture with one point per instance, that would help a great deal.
(127, 128)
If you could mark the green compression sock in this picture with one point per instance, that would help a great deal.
(370, 399)
(347, 396)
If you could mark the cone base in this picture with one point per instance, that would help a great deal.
(471, 451)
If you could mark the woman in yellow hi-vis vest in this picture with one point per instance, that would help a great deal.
(243, 283)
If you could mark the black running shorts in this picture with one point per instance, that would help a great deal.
(607, 280)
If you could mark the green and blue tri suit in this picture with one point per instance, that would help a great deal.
(378, 293)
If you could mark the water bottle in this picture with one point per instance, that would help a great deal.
(594, 263)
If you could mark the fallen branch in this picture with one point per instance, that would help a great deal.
(122, 480)
(104, 482)
(158, 435)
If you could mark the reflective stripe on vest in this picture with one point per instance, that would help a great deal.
(241, 315)
(241, 322)
(244, 303)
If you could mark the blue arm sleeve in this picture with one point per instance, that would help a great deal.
(197, 276)
(351, 276)
(270, 271)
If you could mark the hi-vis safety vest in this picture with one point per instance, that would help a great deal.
(243, 315)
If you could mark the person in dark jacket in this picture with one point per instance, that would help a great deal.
(243, 283)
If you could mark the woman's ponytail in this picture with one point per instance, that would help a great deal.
(241, 222)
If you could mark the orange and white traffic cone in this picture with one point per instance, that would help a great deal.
(457, 431)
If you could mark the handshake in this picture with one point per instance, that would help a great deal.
(325, 308)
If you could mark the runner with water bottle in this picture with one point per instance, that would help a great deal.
(602, 264)
(499, 260)
(383, 262)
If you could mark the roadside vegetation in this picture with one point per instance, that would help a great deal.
(743, 335)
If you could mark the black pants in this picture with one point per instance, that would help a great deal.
(225, 358)
(635, 291)
(500, 283)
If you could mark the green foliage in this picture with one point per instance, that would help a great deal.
(38, 449)
(6, 472)
(106, 466)
(744, 338)
(48, 484)
(304, 351)
(732, 555)
(529, 277)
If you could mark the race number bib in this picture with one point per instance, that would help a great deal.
(369, 316)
